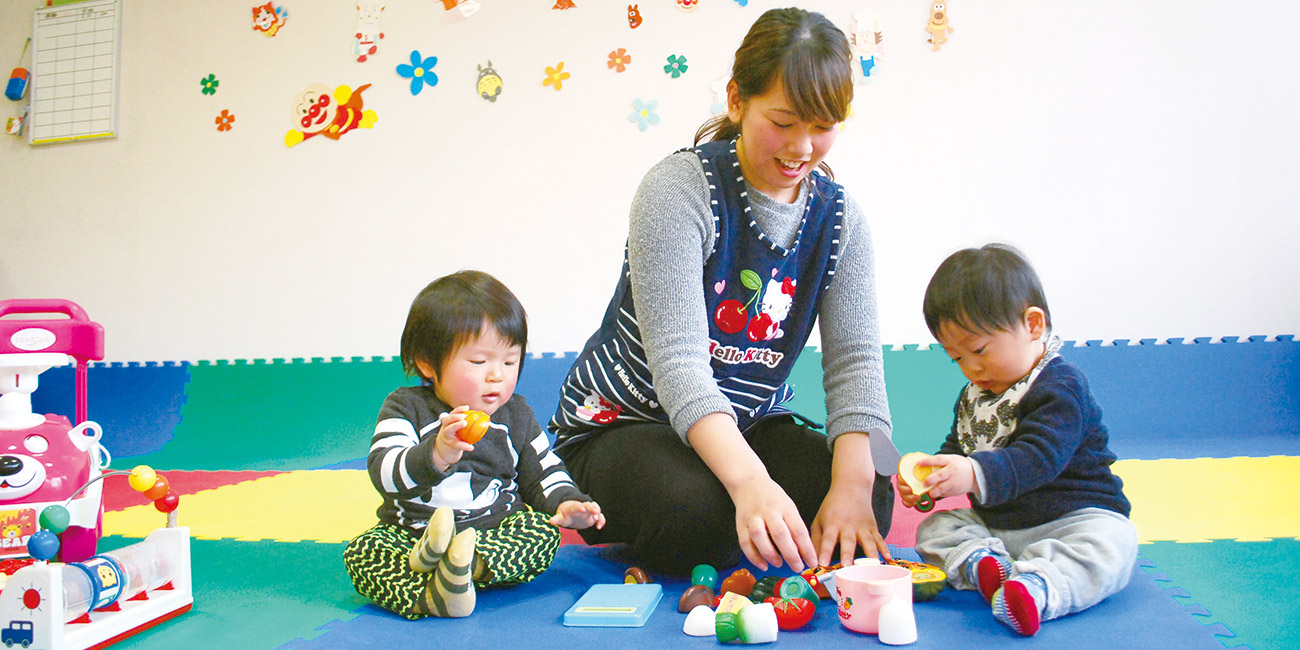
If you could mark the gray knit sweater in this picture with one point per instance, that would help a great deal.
(670, 237)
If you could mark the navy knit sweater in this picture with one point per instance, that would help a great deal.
(1057, 460)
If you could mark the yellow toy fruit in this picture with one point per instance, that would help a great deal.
(142, 478)
(914, 474)
(927, 580)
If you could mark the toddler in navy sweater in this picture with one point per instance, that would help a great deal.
(1048, 533)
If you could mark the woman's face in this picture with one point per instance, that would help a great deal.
(777, 149)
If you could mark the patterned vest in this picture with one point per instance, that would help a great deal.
(761, 299)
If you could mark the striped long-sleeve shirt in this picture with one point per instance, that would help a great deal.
(511, 466)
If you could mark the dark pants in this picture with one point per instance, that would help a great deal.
(660, 497)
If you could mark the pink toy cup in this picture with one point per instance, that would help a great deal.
(864, 588)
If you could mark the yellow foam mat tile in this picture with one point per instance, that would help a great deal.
(1205, 499)
(1181, 500)
(316, 505)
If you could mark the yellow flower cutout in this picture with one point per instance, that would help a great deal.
(555, 75)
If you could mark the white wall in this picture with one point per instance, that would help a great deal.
(1144, 155)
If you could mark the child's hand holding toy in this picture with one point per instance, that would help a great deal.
(578, 515)
(922, 478)
(450, 443)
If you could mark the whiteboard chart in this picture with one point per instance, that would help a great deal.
(74, 71)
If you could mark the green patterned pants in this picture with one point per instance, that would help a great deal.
(516, 551)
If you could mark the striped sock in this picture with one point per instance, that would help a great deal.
(433, 543)
(450, 593)
(987, 570)
(1020, 602)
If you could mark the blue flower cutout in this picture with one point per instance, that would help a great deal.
(420, 72)
(644, 115)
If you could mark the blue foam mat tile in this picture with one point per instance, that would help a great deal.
(1172, 400)
(1142, 615)
(539, 381)
(138, 406)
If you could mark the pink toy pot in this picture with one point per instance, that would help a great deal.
(863, 589)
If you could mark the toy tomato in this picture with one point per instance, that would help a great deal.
(792, 613)
(476, 424)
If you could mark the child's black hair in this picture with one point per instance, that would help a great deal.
(451, 311)
(983, 289)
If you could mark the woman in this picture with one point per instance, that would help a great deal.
(672, 416)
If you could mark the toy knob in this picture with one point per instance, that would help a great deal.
(159, 489)
(142, 478)
(43, 545)
(55, 519)
(168, 503)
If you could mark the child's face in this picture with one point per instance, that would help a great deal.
(996, 361)
(480, 374)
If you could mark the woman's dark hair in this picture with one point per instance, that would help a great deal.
(811, 57)
(451, 311)
(983, 289)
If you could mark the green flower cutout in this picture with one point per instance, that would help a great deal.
(210, 84)
(676, 65)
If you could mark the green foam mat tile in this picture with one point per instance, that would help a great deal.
(922, 385)
(278, 415)
(1248, 587)
(253, 595)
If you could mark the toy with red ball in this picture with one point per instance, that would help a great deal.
(153, 486)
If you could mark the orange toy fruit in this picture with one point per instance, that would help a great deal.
(476, 424)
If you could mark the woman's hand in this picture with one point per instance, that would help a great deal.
(846, 518)
(578, 515)
(769, 527)
(448, 447)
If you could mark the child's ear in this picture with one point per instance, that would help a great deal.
(426, 370)
(1036, 321)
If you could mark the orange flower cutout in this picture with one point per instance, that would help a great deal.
(225, 120)
(555, 75)
(618, 60)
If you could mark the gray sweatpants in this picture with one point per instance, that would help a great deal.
(1084, 557)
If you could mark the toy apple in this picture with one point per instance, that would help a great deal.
(476, 424)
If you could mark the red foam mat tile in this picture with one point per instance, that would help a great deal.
(118, 494)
